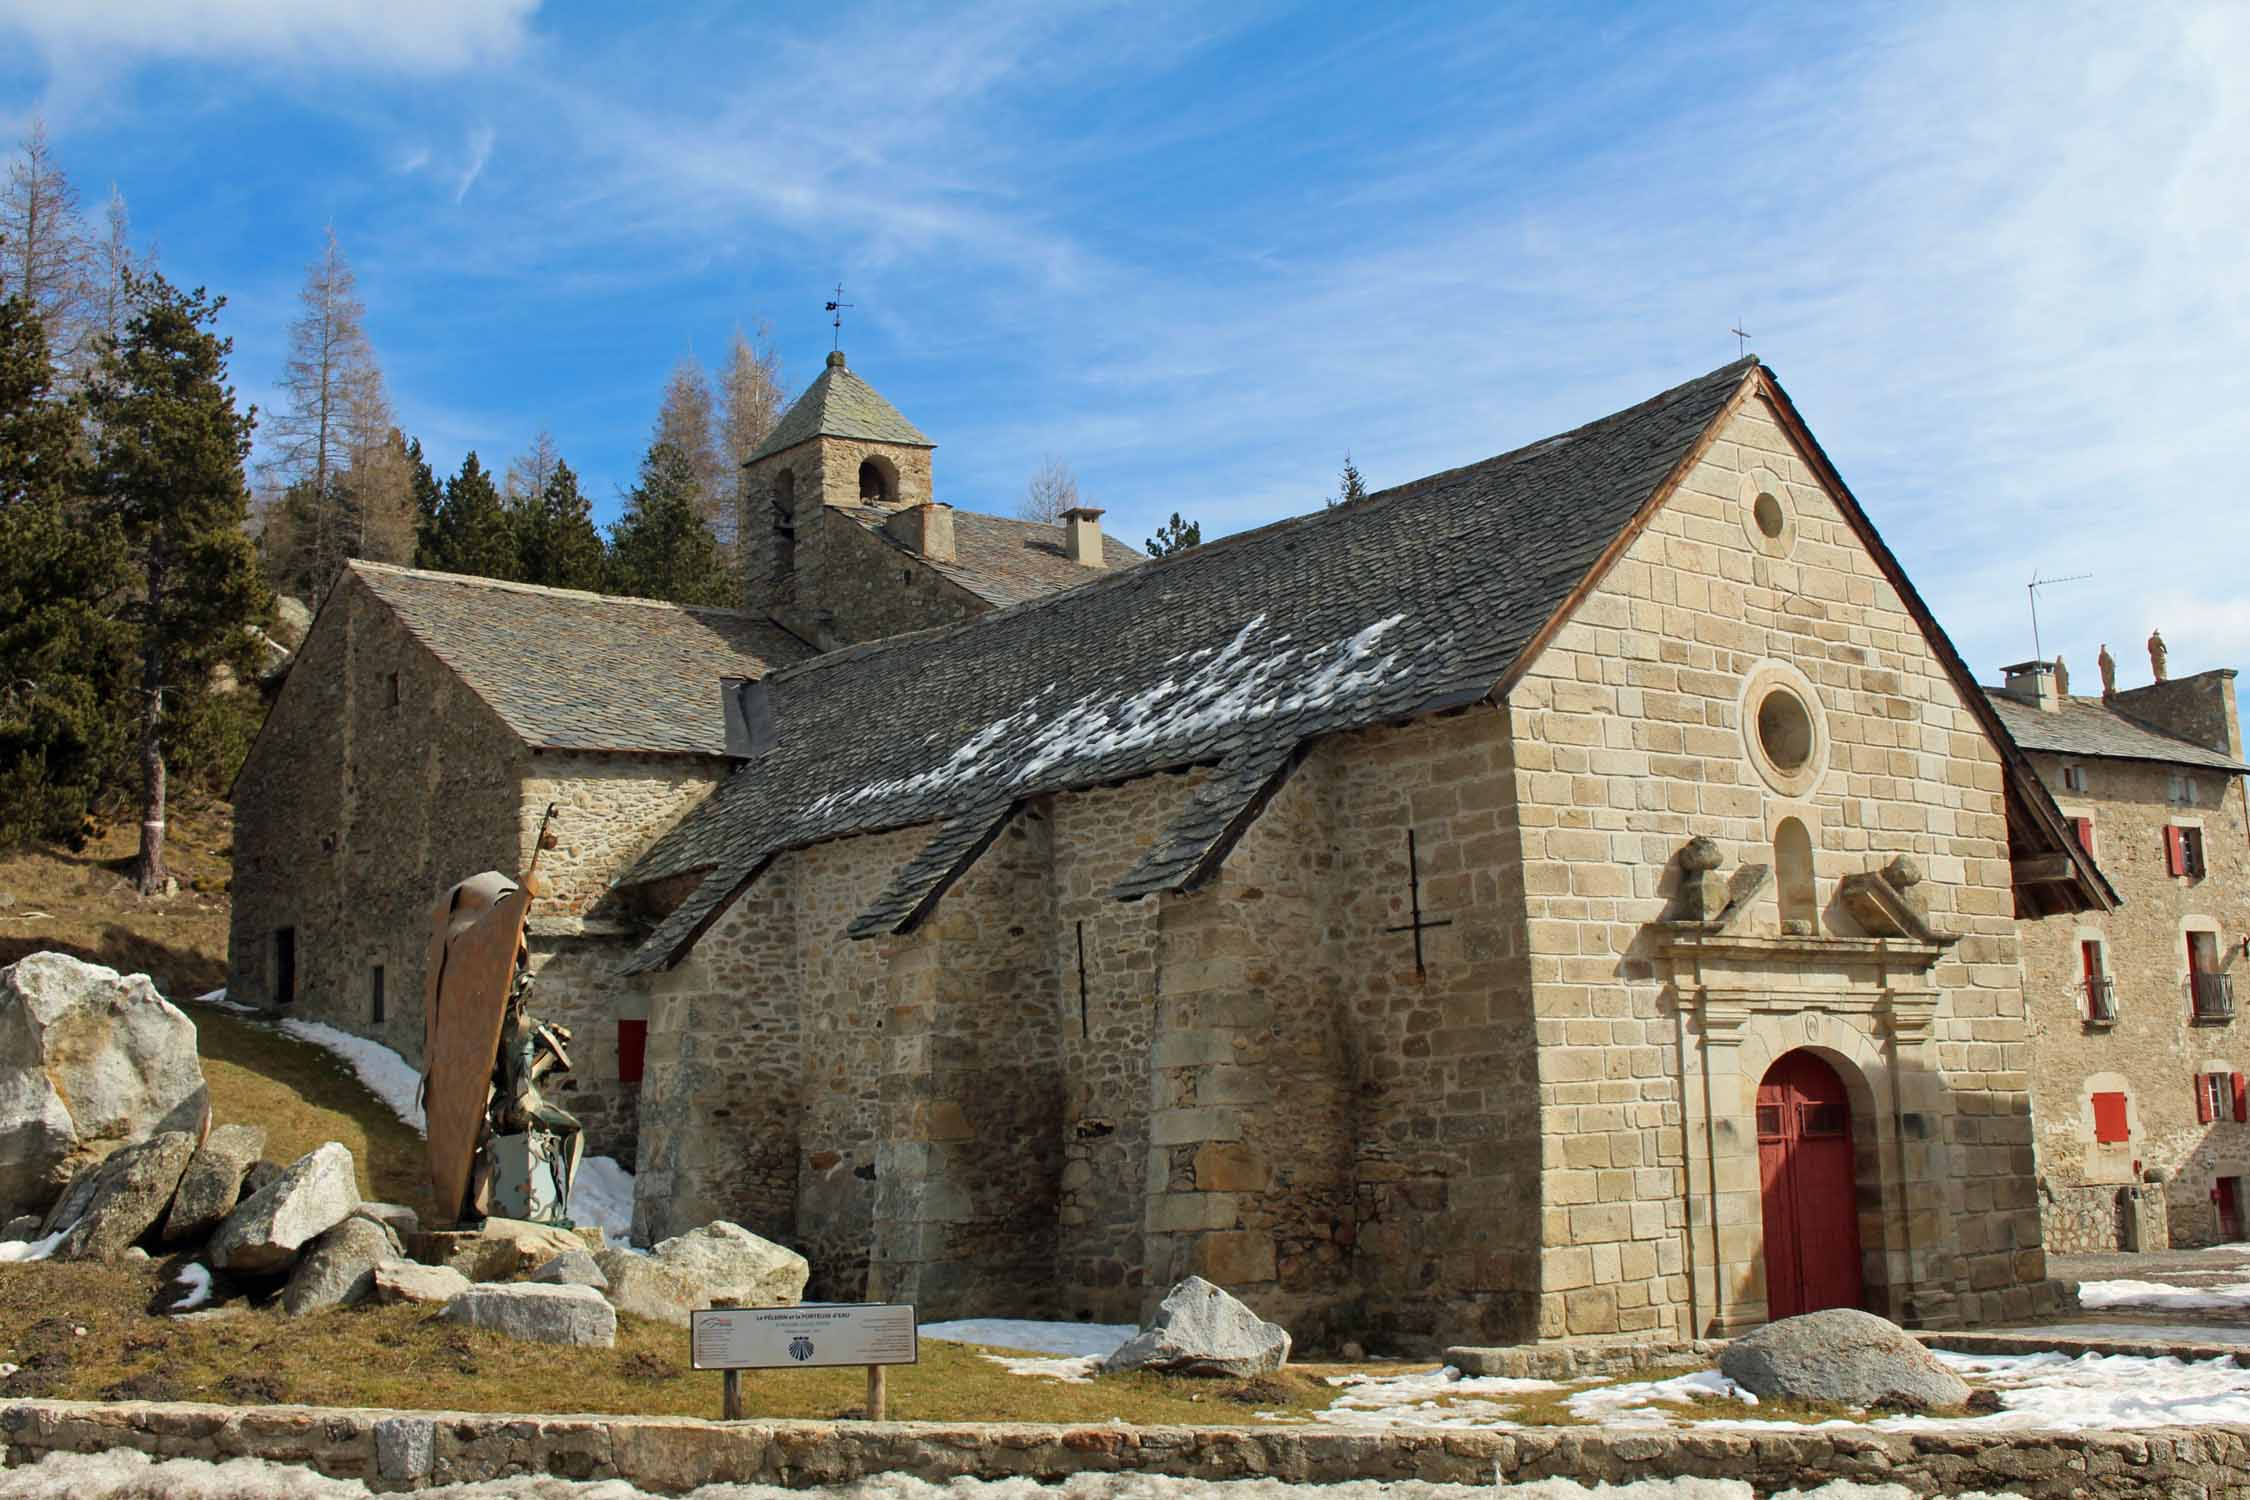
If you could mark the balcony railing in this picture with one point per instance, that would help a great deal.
(2214, 996)
(2101, 1000)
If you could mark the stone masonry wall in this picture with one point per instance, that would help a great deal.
(826, 472)
(2157, 1045)
(874, 589)
(354, 814)
(1631, 740)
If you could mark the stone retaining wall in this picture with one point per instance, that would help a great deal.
(410, 1450)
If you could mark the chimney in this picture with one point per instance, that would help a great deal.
(2033, 682)
(927, 528)
(1083, 523)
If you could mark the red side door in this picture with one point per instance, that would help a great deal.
(2230, 1208)
(1807, 1181)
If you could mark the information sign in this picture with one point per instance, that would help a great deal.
(790, 1338)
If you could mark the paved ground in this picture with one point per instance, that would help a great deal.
(2227, 1265)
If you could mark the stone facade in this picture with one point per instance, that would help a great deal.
(1529, 1118)
(2157, 1045)
(801, 563)
(367, 807)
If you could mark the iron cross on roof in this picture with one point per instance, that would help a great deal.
(836, 305)
(1419, 924)
(1741, 337)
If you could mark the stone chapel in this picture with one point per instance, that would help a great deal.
(1576, 894)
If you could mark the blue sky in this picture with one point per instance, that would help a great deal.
(1997, 254)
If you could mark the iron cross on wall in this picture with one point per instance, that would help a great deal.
(1414, 899)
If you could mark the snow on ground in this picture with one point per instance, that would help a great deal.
(602, 1195)
(2093, 1391)
(2156, 1295)
(122, 1474)
(32, 1249)
(219, 1000)
(1082, 1346)
(195, 1278)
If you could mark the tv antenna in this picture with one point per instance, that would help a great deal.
(2037, 583)
(836, 305)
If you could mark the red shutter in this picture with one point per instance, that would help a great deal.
(632, 1050)
(2241, 1101)
(2085, 829)
(2090, 959)
(2175, 858)
(2109, 1119)
(2203, 1098)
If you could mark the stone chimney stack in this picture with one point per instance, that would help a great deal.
(928, 529)
(1084, 526)
(2033, 682)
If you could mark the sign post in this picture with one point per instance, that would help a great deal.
(733, 1339)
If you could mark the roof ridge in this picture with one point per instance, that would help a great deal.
(510, 585)
(1307, 520)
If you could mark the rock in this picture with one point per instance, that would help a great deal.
(395, 1281)
(212, 1184)
(572, 1268)
(396, 1217)
(338, 1269)
(1843, 1356)
(292, 617)
(262, 1175)
(1201, 1330)
(21, 1227)
(645, 1287)
(89, 1061)
(498, 1250)
(723, 1260)
(542, 1314)
(264, 1232)
(130, 1191)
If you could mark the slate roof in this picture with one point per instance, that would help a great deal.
(569, 670)
(2088, 726)
(1003, 560)
(1416, 599)
(840, 404)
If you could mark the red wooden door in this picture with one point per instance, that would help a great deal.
(1805, 1174)
(2230, 1208)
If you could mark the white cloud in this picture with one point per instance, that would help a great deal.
(479, 152)
(411, 35)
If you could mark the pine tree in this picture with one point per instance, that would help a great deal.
(1349, 486)
(427, 498)
(662, 548)
(561, 548)
(1175, 535)
(685, 423)
(64, 654)
(472, 532)
(168, 452)
(43, 247)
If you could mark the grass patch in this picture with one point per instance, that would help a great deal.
(403, 1357)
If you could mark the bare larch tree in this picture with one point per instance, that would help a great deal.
(1052, 490)
(44, 250)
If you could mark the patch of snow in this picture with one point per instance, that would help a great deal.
(1081, 1340)
(218, 1000)
(390, 1077)
(1442, 1397)
(125, 1474)
(1079, 1371)
(40, 1249)
(196, 1278)
(2235, 1247)
(601, 1196)
(2155, 1294)
(1632, 1404)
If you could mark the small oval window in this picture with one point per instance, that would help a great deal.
(1785, 730)
(1766, 511)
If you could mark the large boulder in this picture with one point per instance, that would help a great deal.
(338, 1270)
(542, 1314)
(1200, 1330)
(265, 1231)
(89, 1061)
(130, 1189)
(212, 1184)
(1844, 1357)
(723, 1260)
(645, 1287)
(395, 1281)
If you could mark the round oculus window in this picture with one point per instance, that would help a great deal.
(1766, 512)
(1785, 730)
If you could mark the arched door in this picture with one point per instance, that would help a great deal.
(1805, 1174)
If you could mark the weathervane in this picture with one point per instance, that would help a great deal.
(1741, 338)
(836, 305)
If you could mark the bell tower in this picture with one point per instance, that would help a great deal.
(839, 448)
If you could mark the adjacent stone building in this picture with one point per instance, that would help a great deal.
(2144, 1127)
(1573, 895)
